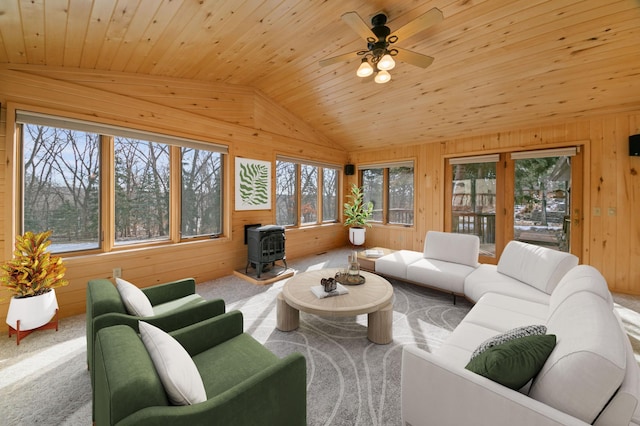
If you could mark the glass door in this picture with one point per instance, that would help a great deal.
(474, 199)
(543, 198)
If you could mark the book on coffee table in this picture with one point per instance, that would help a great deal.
(318, 290)
(373, 253)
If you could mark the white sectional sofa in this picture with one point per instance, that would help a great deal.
(590, 377)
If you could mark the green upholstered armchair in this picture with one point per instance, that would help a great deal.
(175, 305)
(245, 383)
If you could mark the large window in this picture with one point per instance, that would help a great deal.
(306, 192)
(63, 183)
(201, 192)
(390, 187)
(142, 191)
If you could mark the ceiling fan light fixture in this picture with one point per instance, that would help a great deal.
(365, 69)
(386, 63)
(382, 77)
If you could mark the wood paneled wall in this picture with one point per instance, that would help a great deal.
(244, 119)
(255, 127)
(611, 241)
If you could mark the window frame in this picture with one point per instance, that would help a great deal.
(21, 115)
(385, 167)
(320, 167)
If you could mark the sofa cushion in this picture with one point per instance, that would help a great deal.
(515, 362)
(492, 315)
(134, 299)
(486, 278)
(395, 264)
(174, 305)
(440, 274)
(514, 333)
(537, 266)
(588, 363)
(452, 247)
(177, 371)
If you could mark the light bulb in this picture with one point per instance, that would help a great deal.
(382, 77)
(365, 69)
(386, 63)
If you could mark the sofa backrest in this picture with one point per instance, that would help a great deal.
(582, 278)
(101, 297)
(126, 379)
(588, 363)
(452, 247)
(540, 267)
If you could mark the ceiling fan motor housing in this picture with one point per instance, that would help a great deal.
(379, 28)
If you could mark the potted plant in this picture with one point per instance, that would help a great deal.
(357, 214)
(31, 276)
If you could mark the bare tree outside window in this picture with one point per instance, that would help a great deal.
(391, 190)
(329, 195)
(315, 185)
(61, 186)
(401, 195)
(286, 184)
(372, 184)
(142, 191)
(309, 186)
(201, 193)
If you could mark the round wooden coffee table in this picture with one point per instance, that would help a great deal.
(374, 297)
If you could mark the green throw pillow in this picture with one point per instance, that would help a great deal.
(515, 362)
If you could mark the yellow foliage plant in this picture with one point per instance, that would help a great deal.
(33, 270)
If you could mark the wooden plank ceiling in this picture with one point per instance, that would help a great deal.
(499, 64)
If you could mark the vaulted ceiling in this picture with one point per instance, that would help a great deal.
(499, 64)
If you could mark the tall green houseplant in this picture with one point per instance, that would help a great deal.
(357, 215)
(357, 212)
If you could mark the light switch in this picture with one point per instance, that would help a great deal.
(596, 211)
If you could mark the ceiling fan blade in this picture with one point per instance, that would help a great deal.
(413, 58)
(339, 58)
(358, 25)
(422, 22)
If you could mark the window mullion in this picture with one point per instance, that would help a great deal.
(175, 193)
(385, 196)
(320, 191)
(298, 195)
(107, 193)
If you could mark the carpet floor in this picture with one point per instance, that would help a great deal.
(350, 381)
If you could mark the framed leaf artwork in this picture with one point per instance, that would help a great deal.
(253, 184)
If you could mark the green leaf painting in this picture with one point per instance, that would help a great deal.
(253, 184)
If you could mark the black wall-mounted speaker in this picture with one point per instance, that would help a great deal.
(349, 169)
(634, 145)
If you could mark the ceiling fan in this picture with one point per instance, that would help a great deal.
(378, 57)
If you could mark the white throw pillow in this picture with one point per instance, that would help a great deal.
(134, 299)
(177, 371)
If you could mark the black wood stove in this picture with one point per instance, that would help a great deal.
(266, 245)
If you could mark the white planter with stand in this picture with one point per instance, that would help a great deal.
(30, 313)
(356, 235)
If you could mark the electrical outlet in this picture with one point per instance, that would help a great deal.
(117, 272)
(596, 211)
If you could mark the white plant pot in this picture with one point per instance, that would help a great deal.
(356, 236)
(33, 312)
